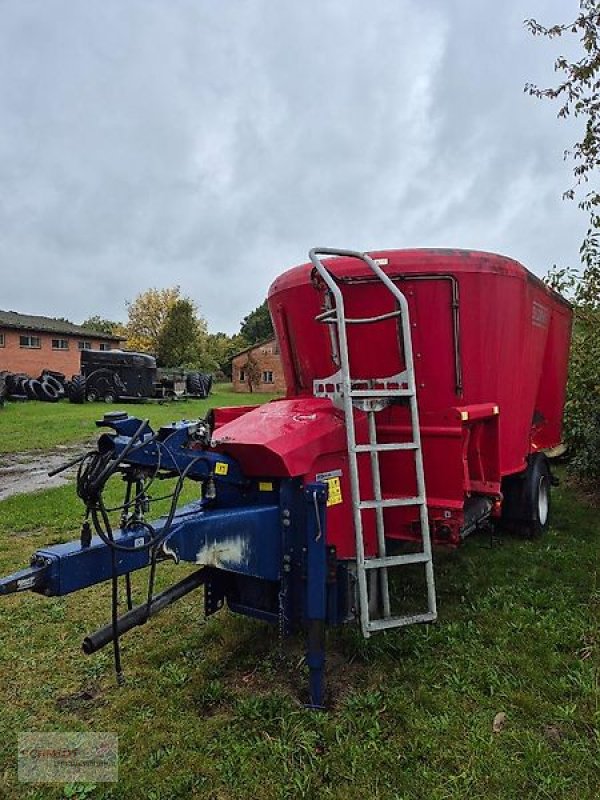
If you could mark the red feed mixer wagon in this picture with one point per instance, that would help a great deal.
(426, 388)
(425, 397)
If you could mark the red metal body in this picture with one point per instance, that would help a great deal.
(490, 344)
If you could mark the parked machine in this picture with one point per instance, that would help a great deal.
(425, 390)
(122, 375)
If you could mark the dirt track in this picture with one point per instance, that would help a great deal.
(21, 473)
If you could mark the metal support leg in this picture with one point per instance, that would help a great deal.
(316, 589)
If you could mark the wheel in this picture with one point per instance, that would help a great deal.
(109, 397)
(77, 388)
(91, 396)
(538, 483)
(526, 498)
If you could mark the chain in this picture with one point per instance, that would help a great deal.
(282, 603)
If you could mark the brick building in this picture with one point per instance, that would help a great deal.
(258, 369)
(31, 344)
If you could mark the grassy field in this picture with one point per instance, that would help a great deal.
(41, 426)
(211, 709)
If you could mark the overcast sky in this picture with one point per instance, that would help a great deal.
(211, 143)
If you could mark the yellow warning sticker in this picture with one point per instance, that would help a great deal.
(265, 486)
(221, 468)
(334, 496)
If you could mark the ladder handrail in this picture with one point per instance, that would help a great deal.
(349, 416)
(347, 397)
(314, 254)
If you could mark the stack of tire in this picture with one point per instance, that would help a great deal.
(198, 384)
(48, 387)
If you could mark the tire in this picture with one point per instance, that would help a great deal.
(77, 388)
(51, 380)
(538, 483)
(14, 383)
(526, 504)
(48, 392)
(192, 383)
(199, 384)
(32, 388)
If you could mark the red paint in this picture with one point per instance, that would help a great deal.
(513, 342)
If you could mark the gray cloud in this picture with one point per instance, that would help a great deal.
(152, 142)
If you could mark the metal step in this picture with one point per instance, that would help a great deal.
(396, 561)
(398, 501)
(399, 622)
(380, 394)
(384, 448)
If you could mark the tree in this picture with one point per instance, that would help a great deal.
(182, 337)
(147, 315)
(252, 372)
(101, 325)
(257, 325)
(220, 349)
(579, 94)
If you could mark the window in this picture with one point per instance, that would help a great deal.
(60, 344)
(104, 346)
(1, 340)
(267, 376)
(242, 375)
(30, 341)
(84, 345)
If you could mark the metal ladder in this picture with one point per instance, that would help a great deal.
(371, 396)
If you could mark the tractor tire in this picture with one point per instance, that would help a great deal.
(48, 392)
(32, 387)
(53, 380)
(13, 383)
(77, 389)
(199, 384)
(50, 389)
(207, 381)
(192, 384)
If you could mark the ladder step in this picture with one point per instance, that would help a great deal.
(377, 394)
(399, 501)
(399, 622)
(383, 448)
(396, 561)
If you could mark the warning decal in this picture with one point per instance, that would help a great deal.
(221, 468)
(332, 479)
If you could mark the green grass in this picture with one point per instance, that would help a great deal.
(40, 426)
(211, 709)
